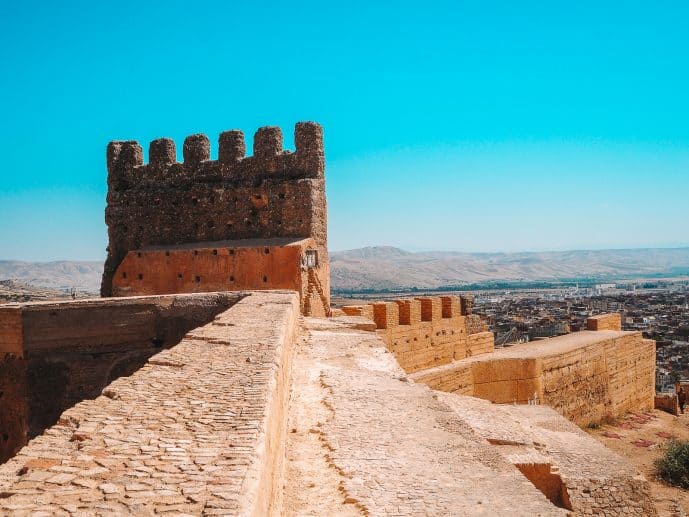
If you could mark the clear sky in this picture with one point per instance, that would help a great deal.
(474, 126)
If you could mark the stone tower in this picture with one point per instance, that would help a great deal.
(234, 223)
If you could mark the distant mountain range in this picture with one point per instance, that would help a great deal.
(61, 275)
(383, 267)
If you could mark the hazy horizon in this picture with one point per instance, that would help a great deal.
(402, 248)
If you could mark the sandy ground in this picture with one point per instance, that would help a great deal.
(641, 439)
(311, 484)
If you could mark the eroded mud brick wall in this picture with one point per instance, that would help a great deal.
(602, 380)
(57, 354)
(605, 375)
(274, 193)
(428, 331)
(612, 321)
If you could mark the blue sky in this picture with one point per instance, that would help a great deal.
(474, 126)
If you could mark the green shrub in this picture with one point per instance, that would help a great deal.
(673, 466)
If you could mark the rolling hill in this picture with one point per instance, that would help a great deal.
(384, 267)
(393, 268)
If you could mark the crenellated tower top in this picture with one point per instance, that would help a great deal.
(126, 168)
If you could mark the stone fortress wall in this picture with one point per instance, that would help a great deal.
(199, 429)
(586, 376)
(56, 354)
(164, 208)
(189, 403)
(428, 331)
(204, 428)
(604, 322)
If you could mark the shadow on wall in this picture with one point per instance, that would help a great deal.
(550, 483)
(69, 351)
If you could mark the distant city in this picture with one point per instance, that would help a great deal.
(660, 309)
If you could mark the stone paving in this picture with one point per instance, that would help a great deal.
(198, 430)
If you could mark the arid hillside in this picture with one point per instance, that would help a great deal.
(393, 268)
(61, 275)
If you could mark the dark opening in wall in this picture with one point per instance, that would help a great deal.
(231, 252)
(266, 251)
(141, 277)
(231, 279)
(215, 252)
(138, 254)
(198, 279)
(167, 253)
(265, 279)
(180, 276)
(124, 274)
(547, 481)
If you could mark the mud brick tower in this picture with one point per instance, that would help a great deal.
(234, 223)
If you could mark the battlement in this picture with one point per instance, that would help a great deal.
(427, 331)
(612, 321)
(126, 168)
(412, 311)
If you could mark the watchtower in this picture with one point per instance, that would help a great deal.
(257, 222)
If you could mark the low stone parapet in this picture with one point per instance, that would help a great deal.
(586, 376)
(427, 331)
(667, 402)
(612, 321)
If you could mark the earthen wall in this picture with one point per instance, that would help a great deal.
(198, 430)
(68, 351)
(428, 331)
(257, 264)
(667, 402)
(272, 194)
(599, 375)
(611, 321)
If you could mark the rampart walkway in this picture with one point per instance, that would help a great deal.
(197, 430)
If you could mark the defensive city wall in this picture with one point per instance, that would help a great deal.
(427, 332)
(587, 376)
(55, 354)
(167, 396)
(199, 429)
